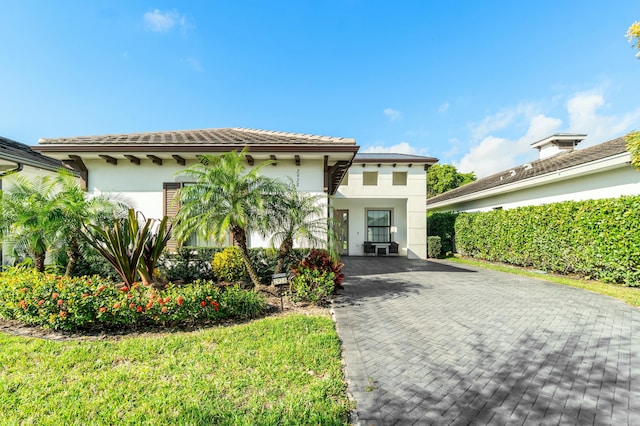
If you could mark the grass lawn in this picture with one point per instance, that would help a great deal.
(629, 295)
(273, 371)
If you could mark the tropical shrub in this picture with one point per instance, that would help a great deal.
(66, 303)
(633, 146)
(152, 249)
(593, 238)
(30, 218)
(312, 285)
(229, 266)
(434, 247)
(442, 224)
(321, 260)
(188, 264)
(264, 261)
(131, 249)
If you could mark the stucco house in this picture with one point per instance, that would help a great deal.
(19, 159)
(562, 173)
(142, 169)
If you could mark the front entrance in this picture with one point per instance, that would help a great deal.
(341, 218)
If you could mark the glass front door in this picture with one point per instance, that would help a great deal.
(342, 230)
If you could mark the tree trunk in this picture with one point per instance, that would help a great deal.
(285, 249)
(39, 261)
(73, 254)
(240, 240)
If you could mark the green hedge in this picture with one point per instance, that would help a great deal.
(598, 239)
(443, 225)
(434, 246)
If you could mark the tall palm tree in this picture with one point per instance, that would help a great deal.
(295, 216)
(226, 197)
(29, 218)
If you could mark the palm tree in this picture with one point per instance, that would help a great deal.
(29, 218)
(76, 208)
(294, 217)
(47, 213)
(225, 198)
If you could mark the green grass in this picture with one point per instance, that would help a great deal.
(274, 371)
(629, 295)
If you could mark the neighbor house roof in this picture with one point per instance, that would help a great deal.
(536, 168)
(180, 139)
(17, 153)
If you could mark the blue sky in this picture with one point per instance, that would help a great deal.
(472, 83)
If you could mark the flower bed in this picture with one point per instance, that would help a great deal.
(65, 303)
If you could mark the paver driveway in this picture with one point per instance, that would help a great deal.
(436, 343)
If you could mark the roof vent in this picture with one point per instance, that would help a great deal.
(558, 143)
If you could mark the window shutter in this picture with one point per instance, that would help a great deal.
(170, 206)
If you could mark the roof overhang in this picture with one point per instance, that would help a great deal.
(613, 162)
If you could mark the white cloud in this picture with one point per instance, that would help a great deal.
(400, 148)
(158, 21)
(444, 107)
(503, 120)
(494, 154)
(392, 114)
(584, 118)
(492, 123)
(585, 112)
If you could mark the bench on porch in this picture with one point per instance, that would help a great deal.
(380, 248)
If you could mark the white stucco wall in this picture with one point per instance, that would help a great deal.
(407, 203)
(610, 183)
(27, 172)
(140, 186)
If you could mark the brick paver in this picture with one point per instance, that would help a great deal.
(436, 343)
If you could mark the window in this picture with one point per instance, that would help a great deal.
(171, 205)
(400, 178)
(369, 178)
(345, 179)
(379, 226)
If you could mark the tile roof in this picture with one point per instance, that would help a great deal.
(537, 168)
(223, 136)
(17, 152)
(365, 157)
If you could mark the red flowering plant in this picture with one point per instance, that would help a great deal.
(323, 261)
(49, 300)
(52, 301)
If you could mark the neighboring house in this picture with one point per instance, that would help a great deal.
(19, 159)
(143, 168)
(562, 173)
(16, 157)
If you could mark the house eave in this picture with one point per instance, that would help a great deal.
(194, 148)
(613, 162)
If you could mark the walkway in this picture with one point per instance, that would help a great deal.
(434, 343)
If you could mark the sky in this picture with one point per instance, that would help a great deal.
(472, 83)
